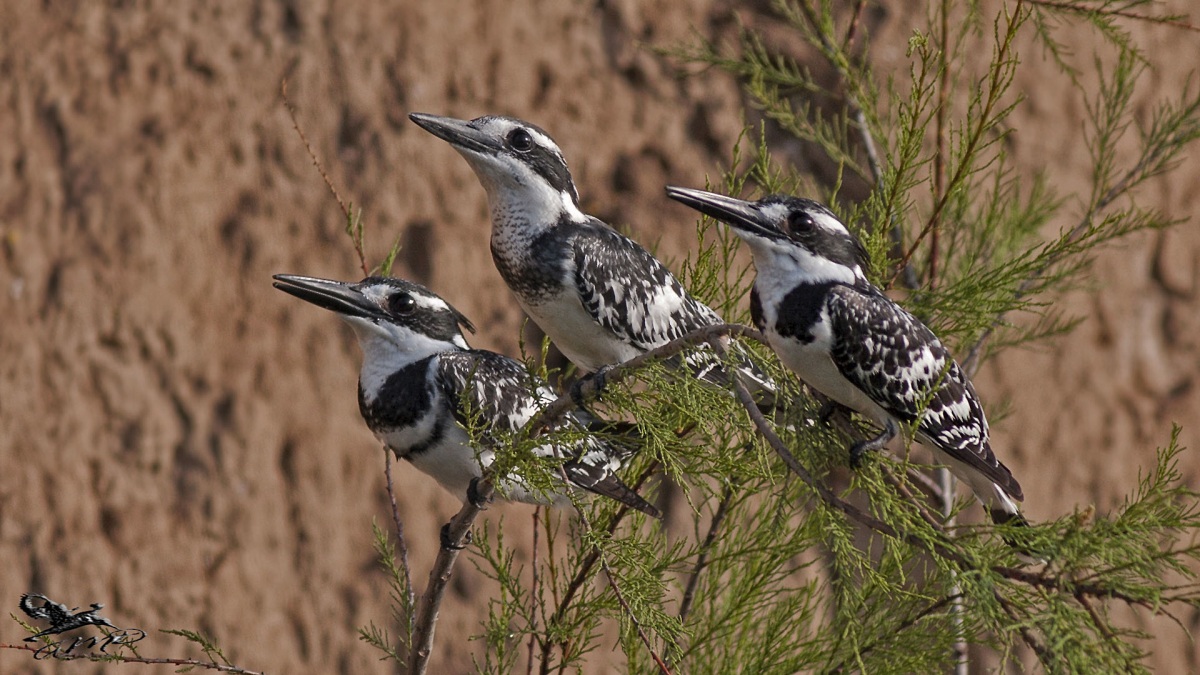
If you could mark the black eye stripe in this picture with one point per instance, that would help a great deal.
(840, 248)
(542, 157)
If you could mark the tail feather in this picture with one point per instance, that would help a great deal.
(611, 486)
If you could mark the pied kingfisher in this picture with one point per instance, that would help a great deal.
(421, 386)
(846, 339)
(600, 296)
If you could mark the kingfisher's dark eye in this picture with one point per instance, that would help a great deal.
(520, 140)
(800, 222)
(402, 303)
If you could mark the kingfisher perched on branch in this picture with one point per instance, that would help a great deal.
(845, 338)
(422, 387)
(600, 296)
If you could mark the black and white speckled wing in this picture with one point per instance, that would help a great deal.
(897, 361)
(504, 396)
(629, 292)
(595, 469)
(494, 387)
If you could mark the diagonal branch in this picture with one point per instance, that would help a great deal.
(1081, 8)
(589, 390)
(685, 605)
(975, 139)
(1043, 653)
(611, 577)
(401, 542)
(585, 569)
(943, 549)
(455, 537)
(830, 51)
(457, 530)
(353, 228)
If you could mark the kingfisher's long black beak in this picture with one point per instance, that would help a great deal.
(744, 217)
(336, 296)
(458, 133)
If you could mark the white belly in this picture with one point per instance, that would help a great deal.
(576, 334)
(450, 462)
(814, 365)
(453, 464)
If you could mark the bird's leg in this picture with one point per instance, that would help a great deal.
(859, 450)
(477, 500)
(595, 381)
(828, 408)
(450, 545)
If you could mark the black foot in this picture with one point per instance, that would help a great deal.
(477, 500)
(595, 381)
(451, 546)
(859, 450)
(827, 410)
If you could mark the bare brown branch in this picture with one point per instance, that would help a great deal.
(401, 542)
(358, 245)
(455, 537)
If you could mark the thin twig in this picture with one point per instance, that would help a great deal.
(829, 49)
(1030, 639)
(401, 542)
(1123, 13)
(971, 363)
(689, 592)
(612, 582)
(685, 605)
(535, 595)
(939, 155)
(584, 571)
(961, 664)
(1103, 627)
(928, 516)
(931, 487)
(858, 113)
(904, 625)
(611, 577)
(973, 140)
(1072, 587)
(118, 658)
(287, 103)
(781, 449)
(855, 20)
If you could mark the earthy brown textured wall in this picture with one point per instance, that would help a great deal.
(181, 442)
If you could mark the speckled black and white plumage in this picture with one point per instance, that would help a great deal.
(600, 297)
(851, 342)
(628, 291)
(421, 385)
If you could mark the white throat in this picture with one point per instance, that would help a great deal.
(388, 348)
(519, 199)
(790, 265)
